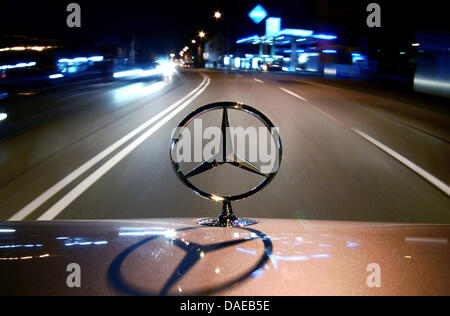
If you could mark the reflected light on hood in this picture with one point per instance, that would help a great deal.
(86, 243)
(168, 233)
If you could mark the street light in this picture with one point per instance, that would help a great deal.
(202, 34)
(218, 16)
(194, 41)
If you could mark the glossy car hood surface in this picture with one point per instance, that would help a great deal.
(177, 257)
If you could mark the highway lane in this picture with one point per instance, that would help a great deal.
(328, 172)
(83, 126)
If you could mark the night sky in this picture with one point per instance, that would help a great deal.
(166, 26)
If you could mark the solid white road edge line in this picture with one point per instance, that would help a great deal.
(56, 209)
(41, 199)
(421, 172)
(406, 162)
(257, 80)
(295, 95)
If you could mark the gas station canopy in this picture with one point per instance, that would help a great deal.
(277, 36)
(286, 36)
(290, 41)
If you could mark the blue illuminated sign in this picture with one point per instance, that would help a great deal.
(247, 39)
(296, 32)
(325, 36)
(258, 14)
(273, 27)
(298, 51)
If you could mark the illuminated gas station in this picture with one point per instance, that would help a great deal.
(284, 49)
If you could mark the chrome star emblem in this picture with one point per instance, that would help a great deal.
(226, 156)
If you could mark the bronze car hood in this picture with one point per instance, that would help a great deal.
(178, 257)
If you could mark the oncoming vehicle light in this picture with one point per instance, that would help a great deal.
(56, 76)
(3, 116)
(3, 230)
(138, 73)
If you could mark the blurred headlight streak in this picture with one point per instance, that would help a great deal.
(96, 58)
(3, 230)
(20, 48)
(128, 73)
(432, 85)
(137, 90)
(138, 73)
(56, 76)
(151, 72)
(20, 65)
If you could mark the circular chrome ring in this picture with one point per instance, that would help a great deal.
(232, 106)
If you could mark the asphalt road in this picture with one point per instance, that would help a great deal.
(347, 154)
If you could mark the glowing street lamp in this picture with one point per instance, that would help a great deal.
(194, 41)
(217, 15)
(202, 34)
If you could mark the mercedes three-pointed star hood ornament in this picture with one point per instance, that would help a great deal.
(226, 156)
